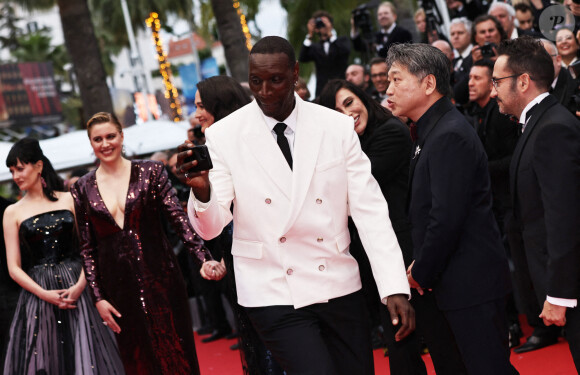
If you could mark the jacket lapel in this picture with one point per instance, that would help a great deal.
(306, 148)
(549, 101)
(265, 150)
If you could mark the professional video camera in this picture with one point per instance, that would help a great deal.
(362, 19)
(434, 18)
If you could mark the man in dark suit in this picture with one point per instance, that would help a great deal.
(389, 34)
(544, 180)
(457, 247)
(564, 87)
(330, 53)
(499, 134)
(460, 38)
(9, 290)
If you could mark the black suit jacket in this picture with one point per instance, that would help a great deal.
(566, 88)
(545, 186)
(388, 146)
(381, 47)
(328, 66)
(457, 246)
(499, 135)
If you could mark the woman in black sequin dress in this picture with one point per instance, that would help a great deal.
(129, 263)
(55, 329)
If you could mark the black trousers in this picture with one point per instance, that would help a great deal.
(481, 333)
(573, 334)
(434, 328)
(322, 339)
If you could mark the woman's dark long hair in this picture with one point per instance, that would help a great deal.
(377, 114)
(28, 151)
(222, 95)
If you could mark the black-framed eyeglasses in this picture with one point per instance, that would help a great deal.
(494, 81)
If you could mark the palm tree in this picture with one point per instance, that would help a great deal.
(232, 38)
(83, 48)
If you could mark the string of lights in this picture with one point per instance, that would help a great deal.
(164, 67)
(245, 28)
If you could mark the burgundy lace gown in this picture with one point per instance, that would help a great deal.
(134, 268)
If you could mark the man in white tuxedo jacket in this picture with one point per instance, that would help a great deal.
(292, 194)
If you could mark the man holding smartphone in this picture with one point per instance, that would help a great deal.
(294, 171)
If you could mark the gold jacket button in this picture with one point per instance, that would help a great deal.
(319, 239)
(321, 267)
(268, 201)
(318, 201)
(282, 239)
(290, 271)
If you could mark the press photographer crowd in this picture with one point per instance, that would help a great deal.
(450, 213)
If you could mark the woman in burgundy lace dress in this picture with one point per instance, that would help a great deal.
(129, 264)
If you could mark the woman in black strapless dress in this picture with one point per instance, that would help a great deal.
(55, 329)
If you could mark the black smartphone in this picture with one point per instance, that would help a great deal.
(201, 154)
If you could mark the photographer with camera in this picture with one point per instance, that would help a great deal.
(330, 53)
(487, 33)
(389, 33)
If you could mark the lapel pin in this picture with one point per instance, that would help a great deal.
(417, 151)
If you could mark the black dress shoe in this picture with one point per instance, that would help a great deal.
(215, 335)
(236, 346)
(536, 342)
(515, 334)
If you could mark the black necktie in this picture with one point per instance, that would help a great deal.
(283, 142)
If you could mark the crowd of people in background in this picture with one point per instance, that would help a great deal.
(450, 212)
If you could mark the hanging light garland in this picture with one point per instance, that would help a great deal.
(245, 28)
(164, 68)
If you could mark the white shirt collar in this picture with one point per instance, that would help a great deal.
(390, 29)
(535, 101)
(514, 33)
(466, 52)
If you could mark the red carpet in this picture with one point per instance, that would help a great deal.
(216, 358)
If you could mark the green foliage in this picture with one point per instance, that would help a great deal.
(72, 108)
(9, 28)
(36, 47)
(204, 53)
(109, 14)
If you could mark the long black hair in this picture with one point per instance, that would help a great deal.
(28, 151)
(222, 95)
(377, 114)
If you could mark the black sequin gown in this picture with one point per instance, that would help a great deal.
(43, 338)
(134, 268)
